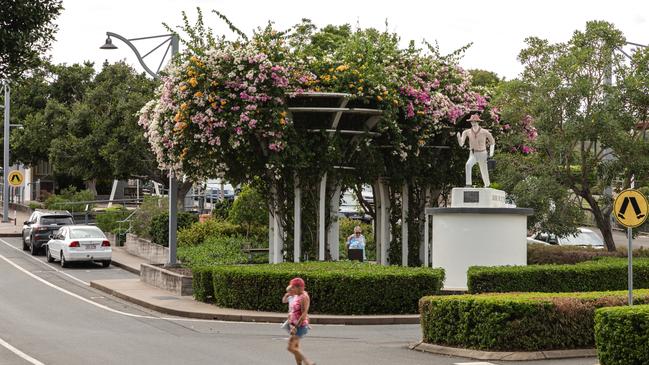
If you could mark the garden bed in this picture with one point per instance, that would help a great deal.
(517, 322)
(602, 274)
(334, 287)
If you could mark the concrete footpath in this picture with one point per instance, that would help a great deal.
(135, 291)
(14, 227)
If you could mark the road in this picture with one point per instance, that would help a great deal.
(50, 316)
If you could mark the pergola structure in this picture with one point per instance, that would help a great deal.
(330, 114)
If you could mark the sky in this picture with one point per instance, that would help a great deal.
(497, 28)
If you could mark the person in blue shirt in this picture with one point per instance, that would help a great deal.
(357, 240)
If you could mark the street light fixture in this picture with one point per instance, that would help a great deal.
(174, 42)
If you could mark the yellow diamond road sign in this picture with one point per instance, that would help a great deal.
(630, 208)
(16, 178)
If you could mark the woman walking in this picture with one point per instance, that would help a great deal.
(299, 321)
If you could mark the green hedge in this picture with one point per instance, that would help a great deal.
(603, 274)
(335, 288)
(202, 283)
(622, 335)
(538, 254)
(517, 322)
(199, 233)
(219, 250)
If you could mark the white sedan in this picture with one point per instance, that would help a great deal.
(583, 238)
(79, 243)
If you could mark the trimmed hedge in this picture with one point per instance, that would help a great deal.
(538, 254)
(202, 283)
(603, 274)
(622, 335)
(335, 288)
(517, 322)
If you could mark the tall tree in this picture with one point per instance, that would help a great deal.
(102, 138)
(26, 31)
(586, 127)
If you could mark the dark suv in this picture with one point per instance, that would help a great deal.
(42, 223)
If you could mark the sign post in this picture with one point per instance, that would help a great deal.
(630, 209)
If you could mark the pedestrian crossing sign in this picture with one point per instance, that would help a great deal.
(630, 208)
(15, 178)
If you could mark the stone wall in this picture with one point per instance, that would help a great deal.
(165, 279)
(153, 253)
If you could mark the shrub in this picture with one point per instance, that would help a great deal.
(347, 227)
(335, 288)
(68, 200)
(218, 250)
(108, 221)
(202, 283)
(159, 230)
(538, 254)
(221, 209)
(517, 322)
(199, 233)
(249, 209)
(622, 335)
(151, 206)
(603, 274)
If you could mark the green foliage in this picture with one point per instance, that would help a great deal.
(151, 206)
(221, 209)
(216, 250)
(517, 322)
(67, 200)
(159, 229)
(335, 288)
(249, 209)
(347, 228)
(108, 219)
(102, 138)
(603, 274)
(538, 254)
(484, 78)
(622, 335)
(26, 34)
(202, 283)
(199, 233)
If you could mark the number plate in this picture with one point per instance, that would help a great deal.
(91, 247)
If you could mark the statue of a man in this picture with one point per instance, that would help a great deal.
(478, 140)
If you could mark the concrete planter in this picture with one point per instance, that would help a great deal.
(159, 277)
(151, 252)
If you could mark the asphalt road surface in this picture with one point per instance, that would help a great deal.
(51, 316)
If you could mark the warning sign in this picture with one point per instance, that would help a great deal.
(630, 208)
(16, 178)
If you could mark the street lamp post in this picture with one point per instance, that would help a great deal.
(174, 42)
(5, 162)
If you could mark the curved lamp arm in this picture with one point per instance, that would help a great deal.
(140, 58)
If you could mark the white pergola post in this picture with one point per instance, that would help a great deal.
(322, 229)
(404, 225)
(426, 254)
(271, 237)
(333, 235)
(385, 223)
(378, 202)
(278, 240)
(297, 221)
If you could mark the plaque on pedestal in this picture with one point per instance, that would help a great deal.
(477, 197)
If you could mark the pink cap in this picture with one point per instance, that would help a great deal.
(297, 282)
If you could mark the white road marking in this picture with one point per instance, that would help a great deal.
(473, 363)
(21, 354)
(109, 309)
(44, 263)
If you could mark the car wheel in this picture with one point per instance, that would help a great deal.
(48, 254)
(64, 262)
(105, 263)
(32, 247)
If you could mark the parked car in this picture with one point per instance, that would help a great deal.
(584, 238)
(215, 193)
(79, 243)
(42, 223)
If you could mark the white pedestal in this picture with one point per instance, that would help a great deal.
(477, 197)
(464, 237)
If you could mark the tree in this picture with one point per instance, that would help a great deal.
(484, 78)
(586, 126)
(26, 31)
(101, 138)
(249, 209)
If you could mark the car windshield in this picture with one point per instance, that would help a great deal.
(86, 232)
(582, 238)
(60, 220)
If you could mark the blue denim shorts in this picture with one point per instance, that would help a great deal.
(301, 331)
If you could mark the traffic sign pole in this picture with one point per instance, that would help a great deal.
(629, 233)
